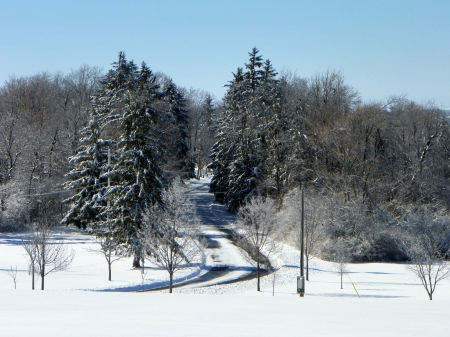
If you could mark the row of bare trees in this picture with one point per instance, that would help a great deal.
(169, 239)
(45, 249)
(41, 117)
(422, 239)
(368, 166)
(41, 121)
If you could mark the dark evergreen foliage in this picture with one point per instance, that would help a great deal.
(239, 156)
(178, 159)
(87, 178)
(145, 128)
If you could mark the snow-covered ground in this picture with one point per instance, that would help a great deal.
(75, 303)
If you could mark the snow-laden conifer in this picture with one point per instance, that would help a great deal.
(178, 158)
(86, 177)
(239, 156)
(137, 178)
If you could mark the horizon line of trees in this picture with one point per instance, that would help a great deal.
(368, 168)
(371, 170)
(44, 119)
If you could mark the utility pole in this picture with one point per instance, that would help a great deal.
(301, 279)
(109, 185)
(108, 224)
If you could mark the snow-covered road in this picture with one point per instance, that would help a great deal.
(224, 262)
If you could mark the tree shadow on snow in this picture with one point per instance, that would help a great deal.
(353, 295)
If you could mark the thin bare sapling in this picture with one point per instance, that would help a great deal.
(170, 234)
(46, 251)
(291, 215)
(13, 274)
(256, 229)
(428, 254)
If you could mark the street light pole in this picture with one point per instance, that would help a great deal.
(301, 279)
(303, 230)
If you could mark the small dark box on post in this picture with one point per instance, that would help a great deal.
(301, 286)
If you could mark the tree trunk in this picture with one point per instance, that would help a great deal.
(341, 277)
(170, 282)
(273, 284)
(257, 273)
(143, 273)
(307, 268)
(42, 259)
(109, 270)
(32, 277)
(136, 262)
(42, 277)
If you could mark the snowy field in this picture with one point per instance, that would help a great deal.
(74, 303)
(81, 302)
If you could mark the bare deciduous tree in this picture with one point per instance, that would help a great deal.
(30, 249)
(428, 255)
(170, 235)
(13, 273)
(292, 217)
(46, 251)
(257, 223)
(275, 263)
(107, 249)
(340, 256)
(311, 237)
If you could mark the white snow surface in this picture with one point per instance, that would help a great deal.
(81, 302)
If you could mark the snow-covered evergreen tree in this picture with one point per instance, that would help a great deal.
(146, 133)
(273, 133)
(113, 197)
(86, 178)
(178, 157)
(227, 137)
(137, 178)
(238, 159)
(108, 101)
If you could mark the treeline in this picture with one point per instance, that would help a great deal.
(47, 121)
(101, 148)
(370, 170)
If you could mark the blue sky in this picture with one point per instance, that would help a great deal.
(383, 48)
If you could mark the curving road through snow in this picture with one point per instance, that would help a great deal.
(225, 262)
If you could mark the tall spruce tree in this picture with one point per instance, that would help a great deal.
(86, 178)
(178, 158)
(272, 125)
(223, 151)
(137, 176)
(238, 156)
(113, 197)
